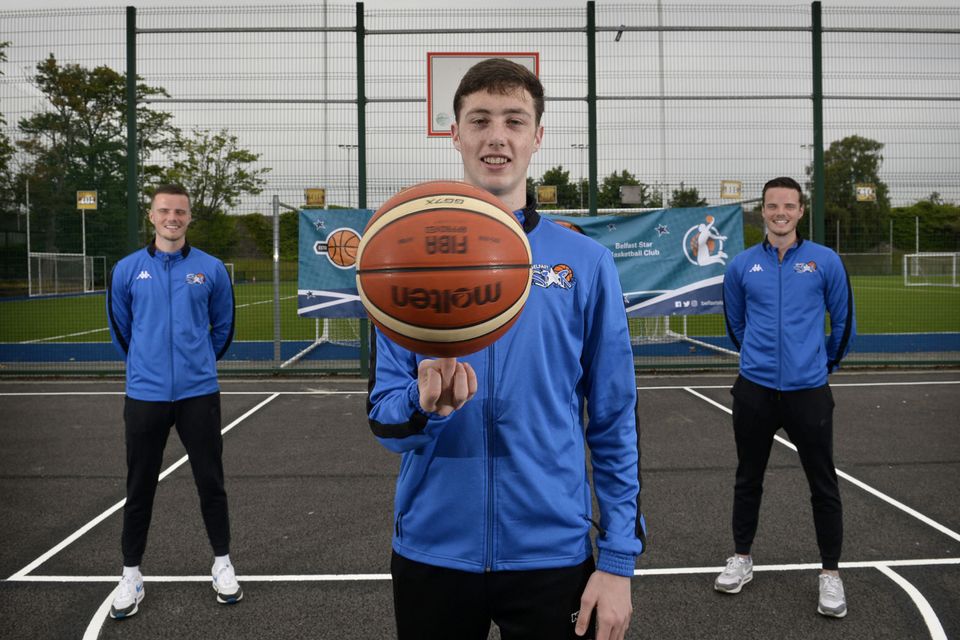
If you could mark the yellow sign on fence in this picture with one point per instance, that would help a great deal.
(547, 194)
(315, 197)
(87, 200)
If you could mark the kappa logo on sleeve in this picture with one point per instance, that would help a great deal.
(805, 267)
(196, 278)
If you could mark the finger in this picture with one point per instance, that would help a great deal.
(471, 380)
(430, 389)
(448, 367)
(459, 387)
(583, 620)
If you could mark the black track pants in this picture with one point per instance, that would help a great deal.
(807, 417)
(434, 603)
(147, 428)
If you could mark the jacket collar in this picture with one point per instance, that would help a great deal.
(767, 246)
(530, 216)
(152, 249)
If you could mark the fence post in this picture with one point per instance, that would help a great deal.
(362, 168)
(819, 194)
(277, 335)
(133, 197)
(592, 102)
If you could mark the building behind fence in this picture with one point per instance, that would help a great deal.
(685, 99)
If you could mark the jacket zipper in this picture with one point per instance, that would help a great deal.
(779, 318)
(173, 370)
(488, 428)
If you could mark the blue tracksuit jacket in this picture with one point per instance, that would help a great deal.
(775, 313)
(502, 483)
(171, 317)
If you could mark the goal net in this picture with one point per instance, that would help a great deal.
(62, 273)
(930, 269)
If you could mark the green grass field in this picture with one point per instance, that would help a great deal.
(883, 305)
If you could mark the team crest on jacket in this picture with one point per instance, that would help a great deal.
(558, 275)
(196, 278)
(805, 267)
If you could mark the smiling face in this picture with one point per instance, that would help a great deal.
(497, 134)
(782, 210)
(170, 216)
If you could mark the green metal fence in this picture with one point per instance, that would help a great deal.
(860, 104)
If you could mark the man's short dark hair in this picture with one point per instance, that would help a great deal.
(783, 183)
(171, 189)
(499, 75)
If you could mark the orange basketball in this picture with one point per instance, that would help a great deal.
(443, 268)
(342, 247)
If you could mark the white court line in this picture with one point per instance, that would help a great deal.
(376, 577)
(92, 631)
(100, 518)
(929, 615)
(846, 476)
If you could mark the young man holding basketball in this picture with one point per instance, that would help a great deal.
(775, 298)
(492, 515)
(171, 315)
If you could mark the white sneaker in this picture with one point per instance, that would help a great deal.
(739, 572)
(832, 602)
(226, 585)
(129, 595)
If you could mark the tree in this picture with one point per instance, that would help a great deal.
(609, 195)
(7, 199)
(683, 197)
(79, 143)
(848, 162)
(216, 171)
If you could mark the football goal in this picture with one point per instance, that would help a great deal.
(64, 273)
(930, 269)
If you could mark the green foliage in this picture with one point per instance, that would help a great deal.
(215, 170)
(939, 226)
(846, 163)
(215, 234)
(79, 143)
(683, 197)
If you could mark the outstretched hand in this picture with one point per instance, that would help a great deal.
(445, 385)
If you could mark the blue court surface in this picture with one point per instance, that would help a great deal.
(311, 507)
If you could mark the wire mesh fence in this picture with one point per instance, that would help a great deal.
(685, 97)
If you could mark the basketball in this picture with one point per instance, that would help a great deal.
(443, 268)
(342, 247)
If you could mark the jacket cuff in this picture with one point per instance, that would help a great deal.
(619, 564)
(413, 396)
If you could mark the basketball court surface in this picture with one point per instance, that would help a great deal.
(311, 508)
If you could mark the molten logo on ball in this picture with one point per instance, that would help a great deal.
(444, 301)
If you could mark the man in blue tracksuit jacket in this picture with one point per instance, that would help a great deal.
(776, 296)
(171, 314)
(492, 514)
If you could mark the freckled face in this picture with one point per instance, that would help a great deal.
(497, 135)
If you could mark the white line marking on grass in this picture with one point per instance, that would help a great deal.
(66, 335)
(929, 616)
(100, 518)
(846, 476)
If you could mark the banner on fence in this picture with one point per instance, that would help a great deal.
(326, 278)
(670, 261)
